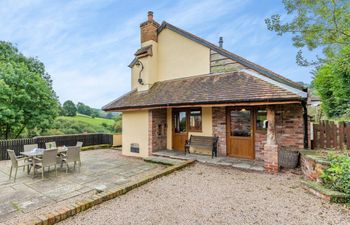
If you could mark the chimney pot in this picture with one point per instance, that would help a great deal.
(150, 16)
(221, 42)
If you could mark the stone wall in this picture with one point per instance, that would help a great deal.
(157, 130)
(219, 128)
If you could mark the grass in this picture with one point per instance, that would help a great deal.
(89, 120)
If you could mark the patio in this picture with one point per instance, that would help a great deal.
(100, 170)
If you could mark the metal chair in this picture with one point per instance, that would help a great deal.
(72, 155)
(49, 158)
(16, 163)
(50, 145)
(79, 144)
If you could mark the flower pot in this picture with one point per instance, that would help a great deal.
(288, 158)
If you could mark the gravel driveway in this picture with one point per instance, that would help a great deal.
(202, 194)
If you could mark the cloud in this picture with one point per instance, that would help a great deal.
(86, 45)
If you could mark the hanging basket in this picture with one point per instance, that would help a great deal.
(288, 158)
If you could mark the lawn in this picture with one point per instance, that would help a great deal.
(87, 119)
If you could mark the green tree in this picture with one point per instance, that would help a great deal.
(27, 100)
(320, 24)
(83, 109)
(69, 108)
(332, 81)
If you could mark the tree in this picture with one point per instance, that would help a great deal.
(320, 24)
(69, 108)
(332, 81)
(84, 109)
(27, 100)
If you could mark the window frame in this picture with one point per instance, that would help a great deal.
(193, 129)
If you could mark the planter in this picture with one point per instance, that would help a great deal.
(288, 159)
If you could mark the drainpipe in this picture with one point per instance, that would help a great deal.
(306, 130)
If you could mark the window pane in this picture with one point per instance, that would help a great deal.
(241, 123)
(195, 119)
(261, 119)
(180, 122)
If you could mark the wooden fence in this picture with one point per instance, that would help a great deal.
(68, 140)
(330, 135)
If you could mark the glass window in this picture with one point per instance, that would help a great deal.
(261, 120)
(180, 122)
(241, 125)
(195, 120)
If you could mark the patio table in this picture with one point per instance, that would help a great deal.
(38, 152)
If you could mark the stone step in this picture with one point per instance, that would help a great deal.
(162, 160)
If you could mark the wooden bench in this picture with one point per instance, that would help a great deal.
(203, 142)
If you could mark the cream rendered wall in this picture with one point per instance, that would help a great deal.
(135, 130)
(149, 73)
(180, 57)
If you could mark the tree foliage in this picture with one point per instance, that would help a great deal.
(69, 108)
(84, 109)
(27, 100)
(332, 81)
(315, 24)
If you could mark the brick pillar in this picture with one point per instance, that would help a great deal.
(157, 130)
(271, 147)
(219, 128)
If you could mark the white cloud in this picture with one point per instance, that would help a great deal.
(87, 44)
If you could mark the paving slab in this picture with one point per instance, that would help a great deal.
(100, 169)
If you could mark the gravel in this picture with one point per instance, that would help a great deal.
(202, 194)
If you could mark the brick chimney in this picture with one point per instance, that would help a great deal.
(149, 29)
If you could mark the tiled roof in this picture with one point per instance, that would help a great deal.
(230, 87)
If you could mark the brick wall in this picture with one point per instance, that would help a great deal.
(290, 126)
(260, 141)
(219, 128)
(157, 130)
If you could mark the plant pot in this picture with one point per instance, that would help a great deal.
(288, 159)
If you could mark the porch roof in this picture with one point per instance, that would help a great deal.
(209, 89)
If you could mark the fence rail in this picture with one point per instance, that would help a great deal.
(68, 140)
(330, 135)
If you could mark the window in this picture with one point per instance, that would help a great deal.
(195, 120)
(180, 122)
(261, 120)
(241, 125)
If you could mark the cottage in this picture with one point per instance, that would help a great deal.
(183, 85)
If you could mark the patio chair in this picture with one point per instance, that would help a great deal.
(28, 148)
(72, 156)
(79, 144)
(16, 163)
(49, 145)
(49, 159)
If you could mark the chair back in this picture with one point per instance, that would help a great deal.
(73, 154)
(49, 157)
(79, 144)
(50, 145)
(28, 148)
(13, 158)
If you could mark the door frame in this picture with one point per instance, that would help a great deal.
(176, 110)
(228, 129)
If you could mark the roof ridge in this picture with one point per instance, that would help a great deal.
(239, 59)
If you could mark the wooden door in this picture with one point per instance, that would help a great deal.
(240, 133)
(180, 129)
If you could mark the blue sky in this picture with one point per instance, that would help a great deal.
(86, 45)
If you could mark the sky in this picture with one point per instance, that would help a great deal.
(86, 45)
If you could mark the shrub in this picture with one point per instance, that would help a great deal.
(337, 175)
